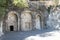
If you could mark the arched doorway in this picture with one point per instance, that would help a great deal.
(11, 28)
(12, 22)
(26, 22)
(37, 22)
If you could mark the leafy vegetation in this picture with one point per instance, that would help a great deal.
(20, 3)
(3, 5)
(2, 12)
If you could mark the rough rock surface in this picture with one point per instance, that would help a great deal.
(54, 18)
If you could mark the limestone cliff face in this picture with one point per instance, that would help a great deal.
(25, 19)
(54, 18)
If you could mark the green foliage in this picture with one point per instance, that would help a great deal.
(20, 3)
(3, 3)
(2, 11)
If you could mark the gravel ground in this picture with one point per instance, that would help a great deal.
(32, 35)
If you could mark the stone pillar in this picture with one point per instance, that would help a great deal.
(43, 24)
(19, 23)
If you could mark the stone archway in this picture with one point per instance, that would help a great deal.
(11, 22)
(26, 22)
(38, 22)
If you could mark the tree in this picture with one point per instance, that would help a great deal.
(20, 3)
(3, 5)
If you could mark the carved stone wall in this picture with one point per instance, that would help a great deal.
(25, 19)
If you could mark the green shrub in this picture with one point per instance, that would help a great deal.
(3, 3)
(20, 3)
(2, 12)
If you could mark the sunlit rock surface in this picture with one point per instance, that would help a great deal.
(54, 18)
(1, 33)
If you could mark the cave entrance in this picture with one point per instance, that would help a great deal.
(11, 28)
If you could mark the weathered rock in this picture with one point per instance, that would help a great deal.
(25, 19)
(54, 18)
